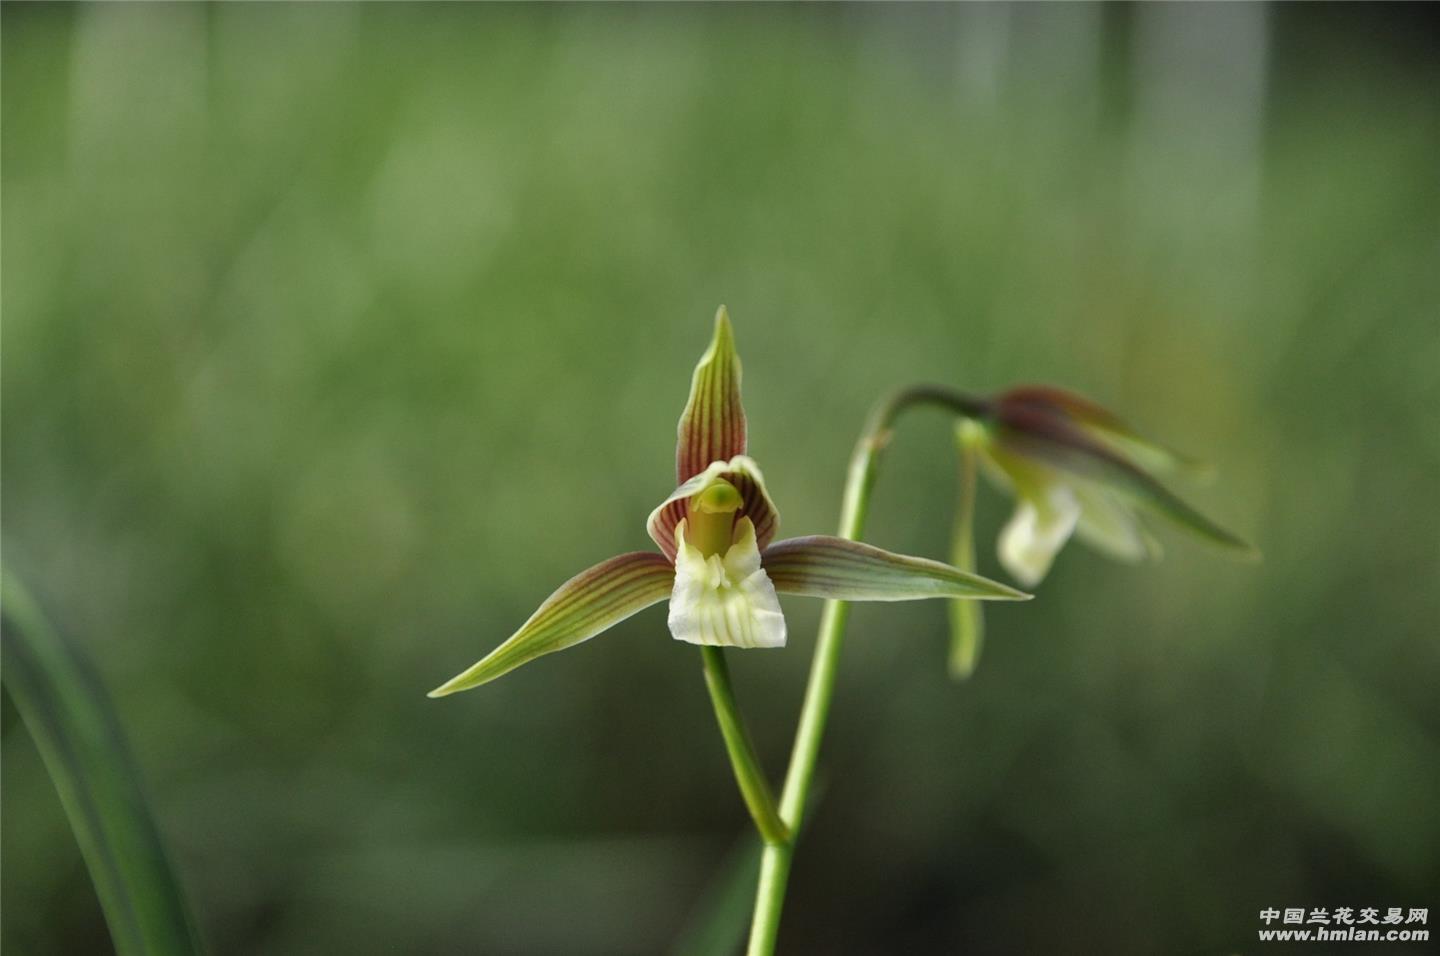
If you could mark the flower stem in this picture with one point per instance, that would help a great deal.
(820, 689)
(748, 773)
(967, 620)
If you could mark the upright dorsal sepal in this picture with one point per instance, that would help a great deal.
(712, 427)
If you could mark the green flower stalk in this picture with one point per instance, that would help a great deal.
(718, 563)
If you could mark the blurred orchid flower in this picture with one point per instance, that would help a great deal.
(1076, 468)
(717, 563)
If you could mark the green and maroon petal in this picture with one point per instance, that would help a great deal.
(835, 568)
(712, 427)
(741, 472)
(589, 603)
(1103, 424)
(1043, 436)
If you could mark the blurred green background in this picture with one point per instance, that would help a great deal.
(336, 336)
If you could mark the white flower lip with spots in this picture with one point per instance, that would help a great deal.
(718, 563)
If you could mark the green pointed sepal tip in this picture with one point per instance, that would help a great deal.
(588, 604)
(470, 678)
(454, 685)
(721, 349)
(712, 426)
(1248, 553)
(724, 332)
(1190, 520)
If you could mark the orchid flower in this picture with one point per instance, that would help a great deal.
(718, 563)
(1076, 468)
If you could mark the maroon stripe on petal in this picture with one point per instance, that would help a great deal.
(615, 573)
(756, 507)
(664, 530)
(712, 427)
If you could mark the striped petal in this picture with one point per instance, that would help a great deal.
(741, 472)
(834, 568)
(589, 603)
(725, 601)
(1111, 526)
(712, 427)
(1044, 437)
(1104, 425)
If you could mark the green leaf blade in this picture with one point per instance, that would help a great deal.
(73, 724)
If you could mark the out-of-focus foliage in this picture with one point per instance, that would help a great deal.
(335, 335)
(68, 716)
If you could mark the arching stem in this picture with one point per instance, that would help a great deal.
(820, 688)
